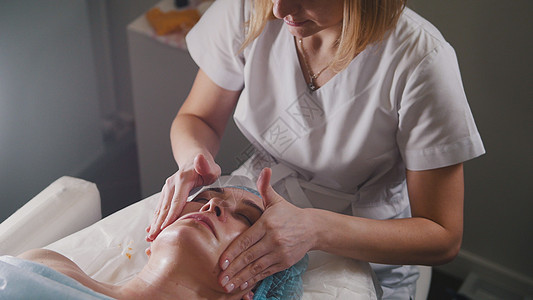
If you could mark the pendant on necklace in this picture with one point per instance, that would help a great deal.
(312, 86)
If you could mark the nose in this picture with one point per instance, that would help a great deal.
(214, 205)
(283, 8)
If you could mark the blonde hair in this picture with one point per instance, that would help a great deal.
(364, 22)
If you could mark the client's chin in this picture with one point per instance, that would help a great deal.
(190, 245)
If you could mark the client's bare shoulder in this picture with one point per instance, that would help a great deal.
(66, 266)
(51, 259)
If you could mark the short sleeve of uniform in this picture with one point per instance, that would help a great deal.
(214, 43)
(436, 126)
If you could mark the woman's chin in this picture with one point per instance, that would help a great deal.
(190, 240)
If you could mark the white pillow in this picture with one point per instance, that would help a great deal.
(65, 206)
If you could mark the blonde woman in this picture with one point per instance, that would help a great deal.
(358, 108)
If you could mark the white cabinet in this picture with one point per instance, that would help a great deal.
(162, 74)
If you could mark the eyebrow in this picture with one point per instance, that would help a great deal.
(215, 189)
(245, 201)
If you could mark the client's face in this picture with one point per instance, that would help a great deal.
(209, 223)
(221, 214)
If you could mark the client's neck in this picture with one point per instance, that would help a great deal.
(161, 280)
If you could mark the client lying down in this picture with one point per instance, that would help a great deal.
(183, 262)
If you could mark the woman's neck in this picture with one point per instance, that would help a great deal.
(325, 40)
(316, 54)
(162, 283)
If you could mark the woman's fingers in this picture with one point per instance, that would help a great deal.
(256, 271)
(177, 187)
(257, 262)
(248, 296)
(160, 212)
(208, 170)
(242, 243)
(176, 206)
(181, 192)
(269, 196)
(201, 165)
(273, 269)
(165, 204)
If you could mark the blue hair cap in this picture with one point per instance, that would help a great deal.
(284, 285)
(245, 188)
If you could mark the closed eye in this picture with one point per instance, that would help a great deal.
(245, 218)
(201, 200)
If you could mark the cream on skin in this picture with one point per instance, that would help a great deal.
(184, 257)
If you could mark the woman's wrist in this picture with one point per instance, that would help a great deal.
(314, 223)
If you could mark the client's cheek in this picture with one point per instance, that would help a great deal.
(167, 235)
(191, 207)
(233, 231)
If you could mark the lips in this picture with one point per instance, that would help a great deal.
(202, 219)
(293, 23)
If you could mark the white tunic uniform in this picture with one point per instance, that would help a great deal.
(398, 105)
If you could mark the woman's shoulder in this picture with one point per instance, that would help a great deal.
(65, 266)
(42, 255)
(53, 260)
(417, 24)
(413, 41)
(231, 10)
(222, 24)
(415, 33)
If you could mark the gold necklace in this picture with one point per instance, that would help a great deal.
(312, 76)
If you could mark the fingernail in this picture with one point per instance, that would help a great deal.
(225, 280)
(244, 285)
(225, 265)
(230, 287)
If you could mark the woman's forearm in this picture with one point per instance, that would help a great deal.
(189, 136)
(399, 241)
(432, 236)
(195, 137)
(201, 120)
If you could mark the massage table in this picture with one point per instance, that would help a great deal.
(66, 217)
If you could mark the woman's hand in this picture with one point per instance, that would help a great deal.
(279, 239)
(203, 171)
